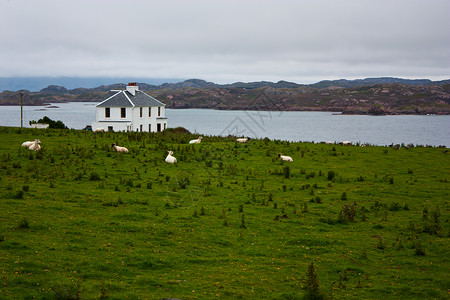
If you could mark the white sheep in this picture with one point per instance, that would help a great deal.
(119, 149)
(28, 144)
(35, 146)
(197, 141)
(99, 130)
(243, 140)
(170, 159)
(346, 143)
(285, 158)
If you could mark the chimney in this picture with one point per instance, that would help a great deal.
(132, 88)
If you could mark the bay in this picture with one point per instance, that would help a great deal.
(292, 126)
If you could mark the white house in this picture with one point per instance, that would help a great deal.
(130, 110)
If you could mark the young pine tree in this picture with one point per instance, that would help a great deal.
(312, 284)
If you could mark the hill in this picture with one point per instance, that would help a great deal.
(79, 221)
(375, 96)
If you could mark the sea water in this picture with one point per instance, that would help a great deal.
(292, 126)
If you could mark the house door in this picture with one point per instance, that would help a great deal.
(158, 127)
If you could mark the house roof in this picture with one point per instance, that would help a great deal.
(126, 99)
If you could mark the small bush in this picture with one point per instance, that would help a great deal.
(381, 244)
(19, 194)
(312, 284)
(286, 172)
(94, 176)
(331, 175)
(243, 222)
(419, 249)
(347, 214)
(24, 224)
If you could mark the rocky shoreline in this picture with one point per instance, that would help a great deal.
(377, 99)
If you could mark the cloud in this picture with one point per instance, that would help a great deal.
(226, 41)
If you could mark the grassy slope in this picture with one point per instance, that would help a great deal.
(102, 223)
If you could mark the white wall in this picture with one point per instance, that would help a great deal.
(132, 116)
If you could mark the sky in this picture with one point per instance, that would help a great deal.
(226, 41)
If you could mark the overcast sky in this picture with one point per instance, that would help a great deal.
(225, 41)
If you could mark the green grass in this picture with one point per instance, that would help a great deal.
(78, 220)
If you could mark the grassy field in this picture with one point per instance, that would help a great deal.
(79, 221)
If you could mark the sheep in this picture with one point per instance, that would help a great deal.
(285, 158)
(346, 143)
(170, 159)
(99, 130)
(243, 140)
(35, 146)
(119, 149)
(197, 141)
(28, 144)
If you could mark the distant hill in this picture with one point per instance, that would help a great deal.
(375, 96)
(371, 81)
(35, 84)
(45, 84)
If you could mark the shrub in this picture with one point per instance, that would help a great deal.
(286, 172)
(94, 176)
(312, 284)
(19, 194)
(344, 196)
(381, 244)
(52, 124)
(331, 175)
(419, 250)
(243, 222)
(24, 224)
(432, 224)
(347, 214)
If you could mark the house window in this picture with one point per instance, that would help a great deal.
(140, 111)
(149, 112)
(149, 127)
(159, 111)
(110, 128)
(141, 128)
(165, 124)
(158, 127)
(107, 112)
(123, 112)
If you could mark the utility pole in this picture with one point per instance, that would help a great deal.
(21, 112)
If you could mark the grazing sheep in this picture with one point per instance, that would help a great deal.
(28, 144)
(197, 141)
(243, 140)
(285, 158)
(35, 146)
(346, 143)
(119, 149)
(99, 130)
(170, 159)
